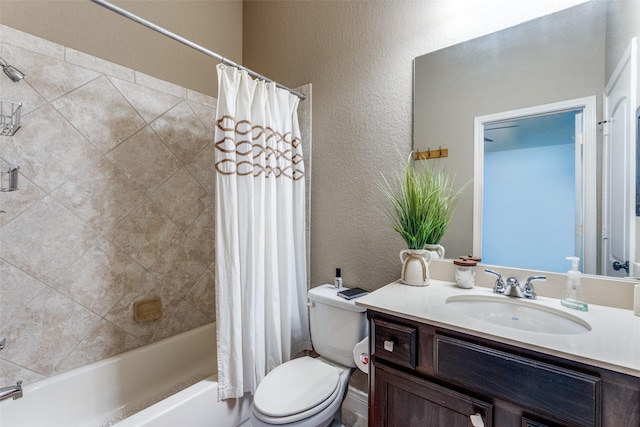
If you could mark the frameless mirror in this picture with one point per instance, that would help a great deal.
(568, 55)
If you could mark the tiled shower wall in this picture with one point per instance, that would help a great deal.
(115, 206)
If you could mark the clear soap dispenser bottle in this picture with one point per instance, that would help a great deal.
(573, 294)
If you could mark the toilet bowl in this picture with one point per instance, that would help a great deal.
(307, 391)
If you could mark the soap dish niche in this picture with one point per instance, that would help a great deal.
(9, 117)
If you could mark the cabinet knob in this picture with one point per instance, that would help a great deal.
(476, 420)
(388, 345)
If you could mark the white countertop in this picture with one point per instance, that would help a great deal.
(612, 343)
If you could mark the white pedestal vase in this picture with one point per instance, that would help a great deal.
(437, 251)
(415, 267)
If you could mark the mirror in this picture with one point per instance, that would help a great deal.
(567, 55)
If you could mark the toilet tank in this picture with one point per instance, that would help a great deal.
(337, 324)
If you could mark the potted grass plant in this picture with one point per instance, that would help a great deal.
(422, 203)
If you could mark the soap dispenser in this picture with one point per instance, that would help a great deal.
(573, 295)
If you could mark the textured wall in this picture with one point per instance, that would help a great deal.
(87, 27)
(359, 57)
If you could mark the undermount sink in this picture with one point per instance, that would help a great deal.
(518, 314)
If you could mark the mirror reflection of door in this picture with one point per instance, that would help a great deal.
(532, 212)
(619, 168)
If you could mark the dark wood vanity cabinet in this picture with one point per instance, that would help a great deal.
(422, 375)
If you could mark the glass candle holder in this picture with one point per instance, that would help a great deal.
(465, 272)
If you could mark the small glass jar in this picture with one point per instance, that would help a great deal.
(465, 272)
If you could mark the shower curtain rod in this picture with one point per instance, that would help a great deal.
(176, 37)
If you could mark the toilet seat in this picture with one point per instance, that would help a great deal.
(296, 390)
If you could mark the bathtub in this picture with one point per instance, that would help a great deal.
(169, 383)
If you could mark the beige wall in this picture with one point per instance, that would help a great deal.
(359, 57)
(89, 28)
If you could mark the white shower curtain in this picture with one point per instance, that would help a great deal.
(261, 279)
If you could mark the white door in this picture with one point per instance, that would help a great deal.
(619, 168)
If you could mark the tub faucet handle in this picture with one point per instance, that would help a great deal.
(3, 343)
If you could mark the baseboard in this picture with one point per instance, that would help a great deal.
(357, 401)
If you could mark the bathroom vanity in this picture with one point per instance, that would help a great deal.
(434, 365)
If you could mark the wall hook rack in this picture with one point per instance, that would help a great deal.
(431, 154)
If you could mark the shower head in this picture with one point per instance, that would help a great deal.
(12, 72)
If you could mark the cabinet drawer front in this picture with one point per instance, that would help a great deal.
(406, 400)
(395, 343)
(568, 395)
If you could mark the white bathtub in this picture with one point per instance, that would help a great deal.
(102, 393)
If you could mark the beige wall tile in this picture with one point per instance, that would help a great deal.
(9, 372)
(104, 341)
(47, 148)
(172, 126)
(182, 264)
(100, 277)
(16, 290)
(93, 63)
(50, 77)
(184, 318)
(32, 43)
(145, 234)
(41, 333)
(100, 113)
(101, 196)
(179, 191)
(149, 103)
(15, 202)
(203, 294)
(145, 160)
(200, 167)
(47, 239)
(154, 83)
(206, 114)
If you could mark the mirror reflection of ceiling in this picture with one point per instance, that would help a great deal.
(540, 131)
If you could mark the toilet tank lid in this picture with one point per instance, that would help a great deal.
(328, 294)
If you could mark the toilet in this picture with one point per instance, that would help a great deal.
(306, 391)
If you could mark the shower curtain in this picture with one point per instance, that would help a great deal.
(261, 279)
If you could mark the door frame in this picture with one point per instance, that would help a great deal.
(588, 172)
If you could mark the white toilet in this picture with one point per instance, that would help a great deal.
(308, 392)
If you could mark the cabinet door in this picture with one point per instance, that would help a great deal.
(404, 400)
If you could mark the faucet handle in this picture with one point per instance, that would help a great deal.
(528, 291)
(499, 287)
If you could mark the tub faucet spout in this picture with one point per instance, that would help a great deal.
(14, 391)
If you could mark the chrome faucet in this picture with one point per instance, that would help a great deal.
(512, 287)
(499, 287)
(528, 290)
(14, 391)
